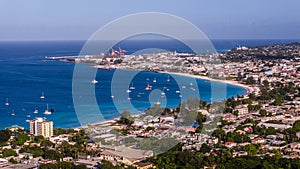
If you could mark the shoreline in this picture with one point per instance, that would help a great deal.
(249, 89)
(230, 82)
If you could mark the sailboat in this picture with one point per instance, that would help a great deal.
(36, 111)
(13, 113)
(6, 103)
(94, 81)
(157, 103)
(47, 112)
(42, 96)
(131, 87)
(148, 87)
(28, 116)
(168, 80)
(154, 80)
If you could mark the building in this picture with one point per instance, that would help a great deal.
(41, 127)
(126, 155)
(14, 128)
(242, 109)
(258, 141)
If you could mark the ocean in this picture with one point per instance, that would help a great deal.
(25, 75)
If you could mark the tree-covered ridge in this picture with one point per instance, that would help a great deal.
(270, 52)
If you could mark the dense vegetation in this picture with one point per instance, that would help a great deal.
(175, 158)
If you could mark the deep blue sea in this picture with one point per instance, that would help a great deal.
(25, 75)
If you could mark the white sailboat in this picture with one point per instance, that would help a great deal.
(47, 112)
(36, 111)
(168, 80)
(148, 87)
(154, 80)
(13, 113)
(7, 102)
(42, 96)
(94, 81)
(131, 87)
(157, 103)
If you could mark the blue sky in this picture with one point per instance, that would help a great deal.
(78, 20)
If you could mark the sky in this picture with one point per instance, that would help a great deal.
(218, 19)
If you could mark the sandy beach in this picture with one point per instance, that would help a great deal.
(231, 82)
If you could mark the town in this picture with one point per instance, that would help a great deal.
(260, 128)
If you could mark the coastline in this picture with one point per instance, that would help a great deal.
(249, 89)
(109, 122)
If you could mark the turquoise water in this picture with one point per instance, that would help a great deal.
(24, 76)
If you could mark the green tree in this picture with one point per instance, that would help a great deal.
(263, 112)
(250, 149)
(20, 140)
(126, 118)
(38, 139)
(52, 155)
(13, 161)
(296, 126)
(271, 131)
(236, 113)
(205, 148)
(47, 144)
(8, 153)
(5, 135)
(219, 133)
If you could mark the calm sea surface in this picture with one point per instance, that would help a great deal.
(24, 76)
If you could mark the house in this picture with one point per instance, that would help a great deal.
(242, 109)
(276, 126)
(14, 128)
(3, 162)
(230, 144)
(248, 129)
(124, 154)
(60, 138)
(239, 153)
(212, 140)
(258, 141)
(229, 117)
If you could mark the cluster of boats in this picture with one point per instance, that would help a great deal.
(149, 88)
(36, 111)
